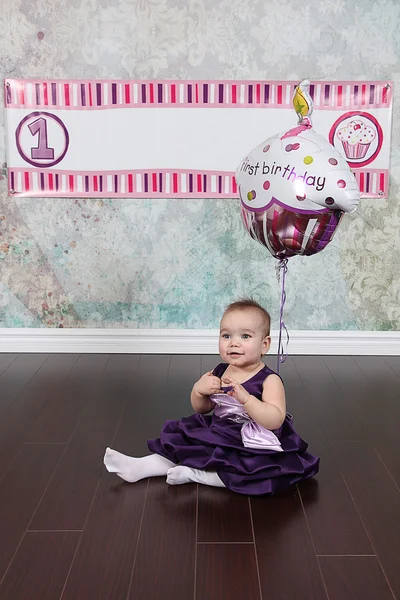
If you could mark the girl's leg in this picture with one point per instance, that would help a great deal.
(179, 474)
(132, 469)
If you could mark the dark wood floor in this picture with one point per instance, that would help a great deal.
(69, 530)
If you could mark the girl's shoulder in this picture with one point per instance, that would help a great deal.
(268, 371)
(220, 369)
(265, 373)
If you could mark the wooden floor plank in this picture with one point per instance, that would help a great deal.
(374, 393)
(60, 415)
(334, 411)
(20, 491)
(223, 516)
(67, 501)
(335, 525)
(121, 369)
(378, 371)
(17, 375)
(393, 362)
(299, 403)
(89, 367)
(42, 390)
(378, 501)
(103, 564)
(353, 577)
(143, 417)
(64, 407)
(54, 370)
(6, 360)
(385, 382)
(98, 402)
(227, 571)
(209, 362)
(8, 451)
(356, 387)
(165, 561)
(388, 450)
(360, 380)
(183, 372)
(44, 560)
(287, 562)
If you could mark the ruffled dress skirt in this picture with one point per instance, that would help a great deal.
(210, 443)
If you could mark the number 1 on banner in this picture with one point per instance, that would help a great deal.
(47, 127)
(42, 151)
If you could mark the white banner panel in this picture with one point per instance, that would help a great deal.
(176, 139)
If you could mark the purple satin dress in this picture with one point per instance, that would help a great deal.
(212, 443)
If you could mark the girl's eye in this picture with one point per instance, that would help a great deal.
(246, 336)
(225, 336)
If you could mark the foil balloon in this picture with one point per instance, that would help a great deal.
(295, 187)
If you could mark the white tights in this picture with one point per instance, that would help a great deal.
(133, 469)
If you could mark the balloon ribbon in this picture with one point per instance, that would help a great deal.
(281, 270)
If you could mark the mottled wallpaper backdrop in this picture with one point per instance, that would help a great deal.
(174, 263)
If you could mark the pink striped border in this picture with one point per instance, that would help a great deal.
(163, 183)
(372, 182)
(100, 94)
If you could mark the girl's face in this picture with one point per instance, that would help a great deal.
(242, 339)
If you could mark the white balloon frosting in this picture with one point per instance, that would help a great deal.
(299, 169)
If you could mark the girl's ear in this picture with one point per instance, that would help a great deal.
(266, 344)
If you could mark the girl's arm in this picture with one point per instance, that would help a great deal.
(271, 411)
(200, 397)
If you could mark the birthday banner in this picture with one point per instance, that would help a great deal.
(180, 139)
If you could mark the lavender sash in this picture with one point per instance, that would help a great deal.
(253, 434)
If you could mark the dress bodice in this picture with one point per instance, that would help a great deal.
(254, 385)
(227, 407)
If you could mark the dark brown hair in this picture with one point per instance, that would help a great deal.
(250, 304)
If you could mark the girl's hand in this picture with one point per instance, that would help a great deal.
(208, 384)
(238, 392)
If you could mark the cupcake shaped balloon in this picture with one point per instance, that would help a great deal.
(295, 186)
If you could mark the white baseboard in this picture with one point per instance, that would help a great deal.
(190, 341)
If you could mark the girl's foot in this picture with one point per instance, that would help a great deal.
(177, 475)
(133, 469)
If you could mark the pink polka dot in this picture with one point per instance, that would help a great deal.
(341, 183)
(266, 148)
(266, 185)
(301, 198)
(289, 148)
(329, 201)
(333, 161)
(295, 146)
(40, 35)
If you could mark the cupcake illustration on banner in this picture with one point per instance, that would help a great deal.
(358, 136)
